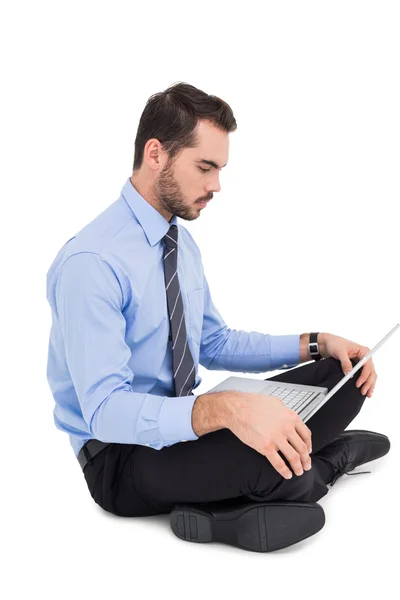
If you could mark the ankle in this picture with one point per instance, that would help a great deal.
(324, 467)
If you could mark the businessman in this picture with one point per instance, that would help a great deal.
(132, 318)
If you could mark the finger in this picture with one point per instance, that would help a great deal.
(301, 448)
(304, 432)
(362, 351)
(366, 383)
(346, 364)
(365, 373)
(279, 464)
(292, 456)
(368, 366)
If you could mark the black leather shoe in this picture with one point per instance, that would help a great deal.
(351, 449)
(257, 526)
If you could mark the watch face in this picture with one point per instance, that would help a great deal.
(313, 348)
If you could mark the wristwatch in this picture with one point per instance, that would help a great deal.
(313, 347)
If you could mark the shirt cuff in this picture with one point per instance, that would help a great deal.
(285, 350)
(175, 419)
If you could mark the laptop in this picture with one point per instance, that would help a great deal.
(305, 400)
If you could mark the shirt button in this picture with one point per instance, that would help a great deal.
(284, 366)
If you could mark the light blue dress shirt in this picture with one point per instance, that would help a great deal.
(110, 358)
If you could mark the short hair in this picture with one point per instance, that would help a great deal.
(171, 117)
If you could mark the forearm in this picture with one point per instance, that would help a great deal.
(304, 341)
(216, 410)
(212, 412)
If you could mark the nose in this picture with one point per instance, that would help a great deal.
(213, 188)
(212, 184)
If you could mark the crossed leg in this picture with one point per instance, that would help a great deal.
(134, 480)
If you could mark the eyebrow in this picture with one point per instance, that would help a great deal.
(211, 163)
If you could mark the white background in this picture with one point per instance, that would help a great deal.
(308, 212)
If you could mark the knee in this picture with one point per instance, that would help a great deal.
(349, 395)
(271, 482)
(351, 382)
(338, 364)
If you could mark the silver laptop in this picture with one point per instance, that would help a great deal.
(303, 399)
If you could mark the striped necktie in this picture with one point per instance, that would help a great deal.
(182, 361)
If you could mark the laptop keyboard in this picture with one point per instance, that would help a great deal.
(292, 398)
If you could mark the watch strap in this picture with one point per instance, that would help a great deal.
(313, 347)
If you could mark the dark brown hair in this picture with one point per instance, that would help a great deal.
(171, 117)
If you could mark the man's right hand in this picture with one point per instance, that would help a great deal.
(267, 425)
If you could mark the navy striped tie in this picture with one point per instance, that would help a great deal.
(182, 360)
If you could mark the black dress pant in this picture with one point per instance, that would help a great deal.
(137, 480)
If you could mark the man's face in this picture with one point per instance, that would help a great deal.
(182, 184)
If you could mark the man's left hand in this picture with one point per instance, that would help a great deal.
(344, 350)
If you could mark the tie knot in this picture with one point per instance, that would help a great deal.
(170, 239)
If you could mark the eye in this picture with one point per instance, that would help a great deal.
(204, 170)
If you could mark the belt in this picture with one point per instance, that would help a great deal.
(89, 450)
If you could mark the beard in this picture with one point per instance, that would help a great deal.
(166, 190)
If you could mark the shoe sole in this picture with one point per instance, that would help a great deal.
(260, 527)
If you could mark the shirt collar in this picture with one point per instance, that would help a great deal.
(154, 225)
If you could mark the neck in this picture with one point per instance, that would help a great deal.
(145, 189)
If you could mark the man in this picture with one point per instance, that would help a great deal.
(133, 318)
